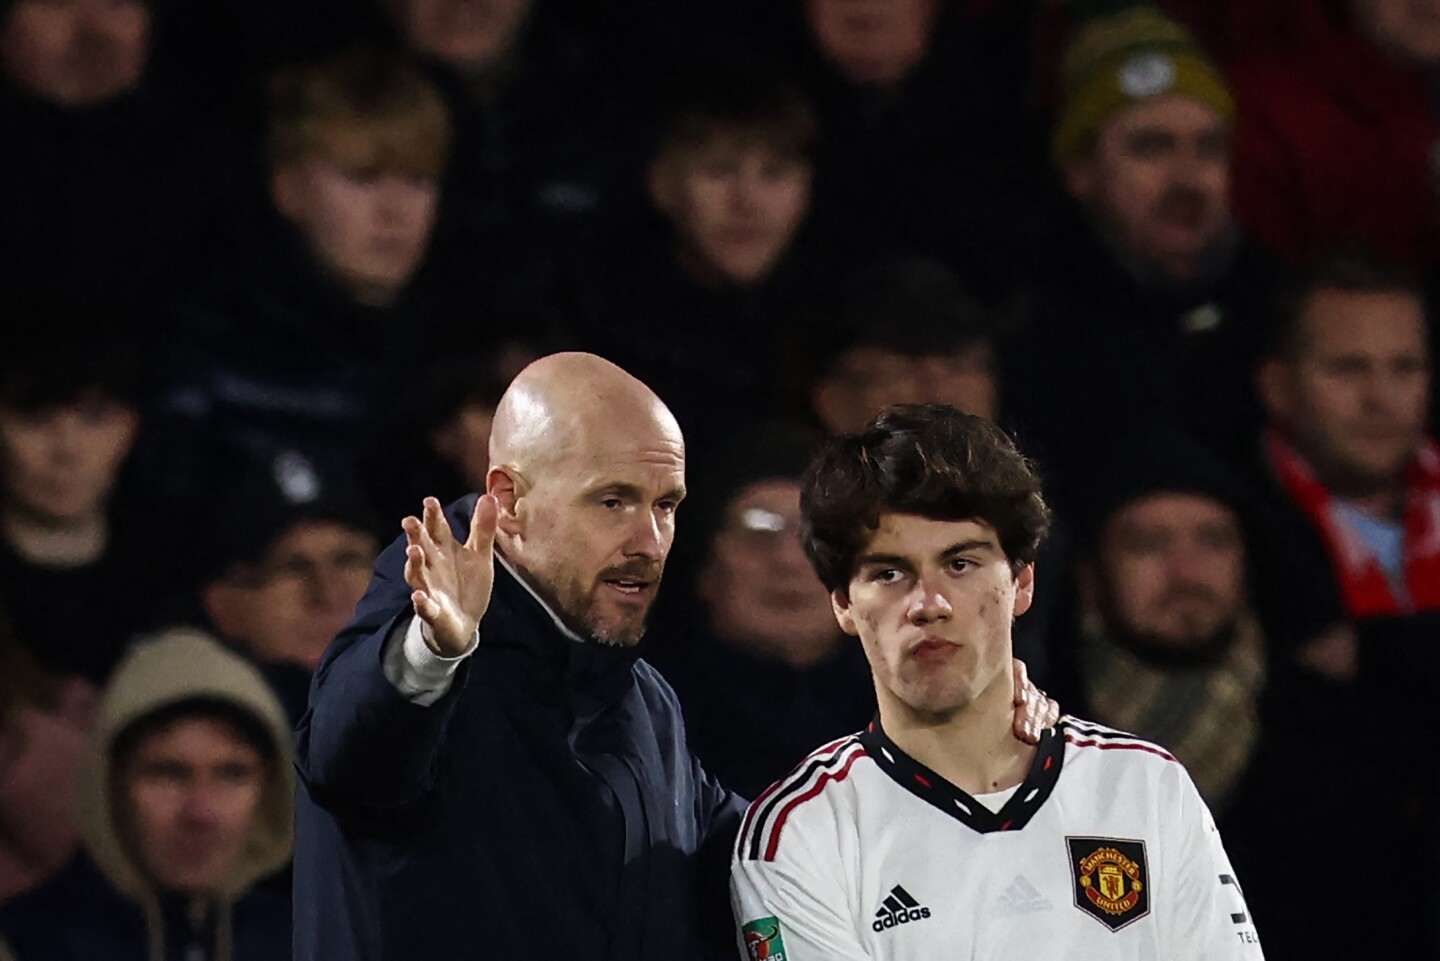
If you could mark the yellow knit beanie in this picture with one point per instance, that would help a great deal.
(1126, 59)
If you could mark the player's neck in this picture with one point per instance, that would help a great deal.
(974, 748)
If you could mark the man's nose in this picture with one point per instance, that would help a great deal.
(200, 801)
(329, 587)
(789, 552)
(745, 191)
(1188, 565)
(392, 191)
(647, 537)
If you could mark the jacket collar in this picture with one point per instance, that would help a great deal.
(586, 668)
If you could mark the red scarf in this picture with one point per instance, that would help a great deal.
(1366, 588)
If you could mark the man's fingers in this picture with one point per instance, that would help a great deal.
(415, 573)
(483, 522)
(435, 524)
(1022, 681)
(417, 533)
(424, 606)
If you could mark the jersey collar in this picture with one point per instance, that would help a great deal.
(930, 787)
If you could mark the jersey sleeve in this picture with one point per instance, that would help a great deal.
(1212, 921)
(794, 907)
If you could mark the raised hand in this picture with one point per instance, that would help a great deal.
(450, 582)
(1034, 711)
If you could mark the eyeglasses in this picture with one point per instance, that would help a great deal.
(758, 526)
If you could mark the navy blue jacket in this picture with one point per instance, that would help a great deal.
(546, 807)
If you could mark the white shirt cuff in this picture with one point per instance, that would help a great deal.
(412, 668)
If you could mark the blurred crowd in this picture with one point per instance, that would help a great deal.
(266, 268)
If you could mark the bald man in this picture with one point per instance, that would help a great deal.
(487, 769)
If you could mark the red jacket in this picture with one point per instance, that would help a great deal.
(1333, 145)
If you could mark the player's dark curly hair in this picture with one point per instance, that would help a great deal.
(924, 459)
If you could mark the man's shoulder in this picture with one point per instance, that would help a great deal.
(810, 794)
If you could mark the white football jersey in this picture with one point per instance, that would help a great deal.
(1106, 851)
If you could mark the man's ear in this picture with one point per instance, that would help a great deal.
(1079, 177)
(828, 401)
(1272, 384)
(287, 191)
(130, 417)
(222, 602)
(1024, 589)
(1087, 583)
(508, 488)
(660, 178)
(844, 615)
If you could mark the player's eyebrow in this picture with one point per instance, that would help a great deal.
(985, 544)
(883, 560)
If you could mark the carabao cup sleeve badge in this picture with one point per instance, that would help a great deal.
(1111, 879)
(763, 939)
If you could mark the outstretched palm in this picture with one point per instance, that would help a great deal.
(450, 582)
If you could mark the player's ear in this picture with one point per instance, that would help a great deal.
(840, 604)
(1024, 589)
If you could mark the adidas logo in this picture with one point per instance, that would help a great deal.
(898, 908)
(1021, 897)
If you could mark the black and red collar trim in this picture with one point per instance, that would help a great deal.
(925, 784)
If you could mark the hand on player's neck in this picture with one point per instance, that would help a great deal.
(974, 748)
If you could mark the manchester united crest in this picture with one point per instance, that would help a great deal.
(1112, 884)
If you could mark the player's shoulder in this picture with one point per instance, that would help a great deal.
(808, 792)
(1111, 759)
(1090, 739)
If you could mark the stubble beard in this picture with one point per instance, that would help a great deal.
(581, 610)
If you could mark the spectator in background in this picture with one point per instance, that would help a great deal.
(1152, 310)
(539, 139)
(109, 181)
(292, 551)
(1336, 133)
(42, 736)
(1169, 638)
(904, 332)
(442, 447)
(1346, 393)
(757, 641)
(76, 53)
(321, 326)
(81, 569)
(704, 297)
(1346, 580)
(931, 143)
(1164, 643)
(1233, 29)
(185, 808)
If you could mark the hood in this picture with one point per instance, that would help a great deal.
(178, 665)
